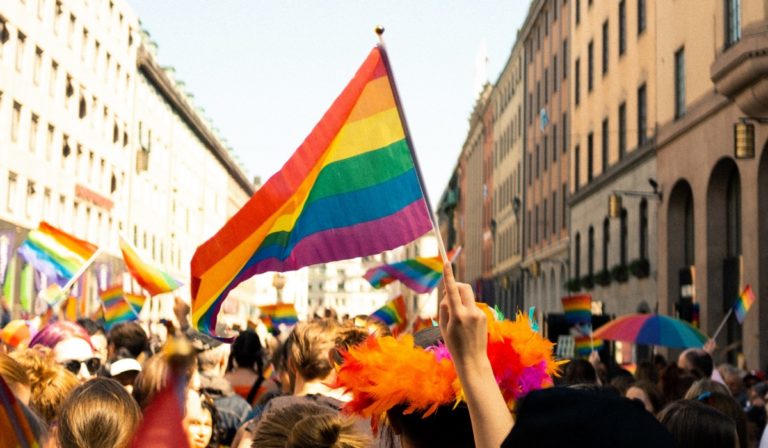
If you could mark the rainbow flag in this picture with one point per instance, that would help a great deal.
(393, 312)
(421, 274)
(578, 308)
(275, 315)
(56, 253)
(350, 190)
(150, 276)
(742, 305)
(583, 346)
(162, 424)
(136, 301)
(14, 424)
(116, 308)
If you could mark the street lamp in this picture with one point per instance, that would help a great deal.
(615, 198)
(278, 281)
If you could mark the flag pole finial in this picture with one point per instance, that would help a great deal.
(379, 30)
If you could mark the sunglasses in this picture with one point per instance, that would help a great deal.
(74, 365)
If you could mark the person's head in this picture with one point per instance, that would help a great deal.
(200, 420)
(726, 404)
(98, 337)
(213, 361)
(703, 385)
(697, 362)
(282, 373)
(127, 340)
(125, 371)
(647, 371)
(248, 352)
(307, 425)
(579, 371)
(733, 377)
(98, 413)
(309, 349)
(694, 424)
(674, 383)
(16, 377)
(49, 382)
(151, 380)
(621, 380)
(372, 325)
(647, 394)
(71, 347)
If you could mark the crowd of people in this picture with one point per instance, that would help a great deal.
(350, 383)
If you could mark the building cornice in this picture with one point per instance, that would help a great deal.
(151, 69)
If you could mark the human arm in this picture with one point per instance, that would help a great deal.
(464, 329)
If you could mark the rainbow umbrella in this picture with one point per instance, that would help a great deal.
(652, 329)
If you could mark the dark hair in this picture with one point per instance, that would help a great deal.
(694, 424)
(128, 338)
(621, 379)
(674, 382)
(650, 390)
(701, 364)
(249, 354)
(90, 325)
(216, 431)
(647, 371)
(730, 407)
(579, 371)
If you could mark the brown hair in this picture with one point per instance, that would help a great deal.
(153, 378)
(49, 382)
(12, 371)
(310, 345)
(98, 413)
(305, 425)
(695, 424)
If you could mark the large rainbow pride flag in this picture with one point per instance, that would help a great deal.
(421, 274)
(150, 276)
(56, 253)
(350, 190)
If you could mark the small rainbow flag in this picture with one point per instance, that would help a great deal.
(742, 305)
(578, 308)
(56, 253)
(421, 274)
(14, 425)
(350, 190)
(150, 276)
(281, 313)
(393, 312)
(583, 346)
(136, 301)
(116, 308)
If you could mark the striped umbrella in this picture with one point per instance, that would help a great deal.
(652, 329)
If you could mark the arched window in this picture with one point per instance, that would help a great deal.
(606, 241)
(643, 238)
(623, 238)
(733, 217)
(577, 256)
(591, 251)
(690, 252)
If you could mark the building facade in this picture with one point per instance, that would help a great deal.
(98, 140)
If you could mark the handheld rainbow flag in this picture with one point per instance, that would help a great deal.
(421, 274)
(743, 304)
(56, 253)
(350, 190)
(275, 315)
(393, 312)
(578, 308)
(150, 276)
(136, 301)
(116, 308)
(584, 345)
(14, 424)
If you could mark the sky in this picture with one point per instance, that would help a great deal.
(266, 71)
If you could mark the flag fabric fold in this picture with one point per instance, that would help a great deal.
(55, 253)
(150, 276)
(578, 309)
(393, 312)
(351, 189)
(743, 304)
(421, 274)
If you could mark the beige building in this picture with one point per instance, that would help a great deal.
(507, 101)
(97, 139)
(714, 217)
(613, 114)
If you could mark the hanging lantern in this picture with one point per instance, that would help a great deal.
(744, 140)
(614, 205)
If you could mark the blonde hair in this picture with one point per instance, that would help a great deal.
(12, 371)
(98, 413)
(308, 425)
(49, 382)
(310, 345)
(153, 378)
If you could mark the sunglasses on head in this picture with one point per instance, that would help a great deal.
(74, 365)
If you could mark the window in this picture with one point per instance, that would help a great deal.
(12, 193)
(642, 117)
(605, 47)
(591, 251)
(4, 35)
(554, 73)
(577, 11)
(15, 121)
(564, 216)
(52, 78)
(49, 142)
(604, 142)
(71, 30)
(554, 143)
(576, 169)
(577, 256)
(565, 132)
(576, 73)
(538, 96)
(622, 130)
(38, 65)
(732, 22)
(34, 125)
(84, 45)
(40, 9)
(640, 16)
(565, 58)
(59, 16)
(546, 152)
(590, 157)
(606, 241)
(622, 27)
(530, 109)
(546, 86)
(536, 226)
(544, 211)
(643, 229)
(554, 212)
(20, 44)
(538, 156)
(623, 237)
(29, 204)
(590, 64)
(679, 83)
